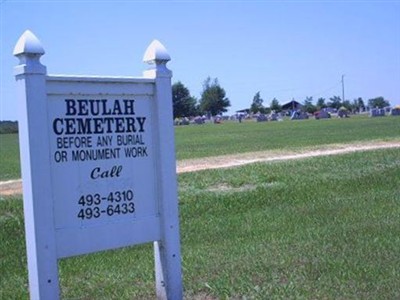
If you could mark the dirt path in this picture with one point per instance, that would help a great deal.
(14, 187)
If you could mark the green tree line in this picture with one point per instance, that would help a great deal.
(8, 127)
(308, 105)
(213, 101)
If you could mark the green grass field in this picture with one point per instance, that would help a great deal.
(317, 228)
(9, 157)
(231, 137)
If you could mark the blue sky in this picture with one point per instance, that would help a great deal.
(284, 49)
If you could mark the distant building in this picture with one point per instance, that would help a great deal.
(292, 106)
(243, 111)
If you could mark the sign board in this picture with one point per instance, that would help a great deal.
(98, 166)
(103, 149)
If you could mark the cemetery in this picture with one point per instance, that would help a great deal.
(288, 114)
(281, 116)
(104, 215)
(262, 212)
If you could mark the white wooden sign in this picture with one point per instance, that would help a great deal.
(98, 166)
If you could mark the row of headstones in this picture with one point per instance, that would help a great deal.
(296, 115)
(380, 112)
(200, 120)
(271, 117)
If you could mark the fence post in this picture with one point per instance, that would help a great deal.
(35, 161)
(166, 251)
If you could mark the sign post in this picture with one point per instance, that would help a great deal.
(166, 251)
(98, 166)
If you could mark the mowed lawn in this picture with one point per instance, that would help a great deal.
(316, 228)
(249, 136)
(196, 141)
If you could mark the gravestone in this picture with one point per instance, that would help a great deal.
(274, 116)
(262, 118)
(98, 166)
(395, 111)
(299, 115)
(322, 115)
(377, 112)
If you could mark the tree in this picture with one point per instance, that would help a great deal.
(184, 105)
(213, 98)
(8, 127)
(335, 102)
(358, 104)
(308, 105)
(347, 104)
(321, 103)
(257, 104)
(275, 105)
(378, 102)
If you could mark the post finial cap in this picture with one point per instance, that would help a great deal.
(28, 43)
(156, 52)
